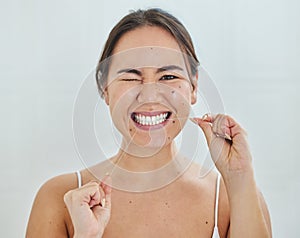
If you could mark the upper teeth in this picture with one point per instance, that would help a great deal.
(150, 120)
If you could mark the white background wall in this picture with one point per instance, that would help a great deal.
(251, 48)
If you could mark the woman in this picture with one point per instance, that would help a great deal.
(148, 106)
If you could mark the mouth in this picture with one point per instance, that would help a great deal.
(146, 120)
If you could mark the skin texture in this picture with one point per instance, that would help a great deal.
(184, 208)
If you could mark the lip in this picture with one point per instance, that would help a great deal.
(151, 113)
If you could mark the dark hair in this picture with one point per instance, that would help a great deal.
(140, 18)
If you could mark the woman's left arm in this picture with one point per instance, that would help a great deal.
(249, 216)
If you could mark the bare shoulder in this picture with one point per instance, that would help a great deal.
(207, 192)
(221, 201)
(49, 214)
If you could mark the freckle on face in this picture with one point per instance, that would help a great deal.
(171, 93)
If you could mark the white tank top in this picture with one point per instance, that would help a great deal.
(216, 231)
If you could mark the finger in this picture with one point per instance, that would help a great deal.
(102, 215)
(89, 193)
(206, 126)
(214, 127)
(98, 198)
(235, 128)
(208, 117)
(221, 127)
(103, 212)
(83, 195)
(95, 193)
(106, 186)
(227, 126)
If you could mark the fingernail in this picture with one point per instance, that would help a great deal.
(103, 202)
(205, 117)
(228, 137)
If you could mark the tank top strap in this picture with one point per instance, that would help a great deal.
(79, 181)
(216, 232)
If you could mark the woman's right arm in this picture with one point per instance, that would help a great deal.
(48, 213)
(88, 208)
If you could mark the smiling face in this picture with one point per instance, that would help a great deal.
(149, 92)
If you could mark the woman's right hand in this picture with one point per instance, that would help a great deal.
(90, 207)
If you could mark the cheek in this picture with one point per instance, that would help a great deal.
(120, 101)
(181, 99)
(121, 97)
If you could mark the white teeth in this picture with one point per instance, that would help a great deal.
(153, 120)
(150, 120)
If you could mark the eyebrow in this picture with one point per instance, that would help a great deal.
(132, 71)
(159, 70)
(169, 67)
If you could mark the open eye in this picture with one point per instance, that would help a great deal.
(168, 77)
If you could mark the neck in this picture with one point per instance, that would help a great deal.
(149, 159)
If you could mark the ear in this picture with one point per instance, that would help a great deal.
(105, 96)
(194, 89)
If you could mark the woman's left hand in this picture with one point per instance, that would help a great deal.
(227, 144)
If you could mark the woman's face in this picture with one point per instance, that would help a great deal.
(149, 93)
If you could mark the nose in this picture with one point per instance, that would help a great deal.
(149, 92)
